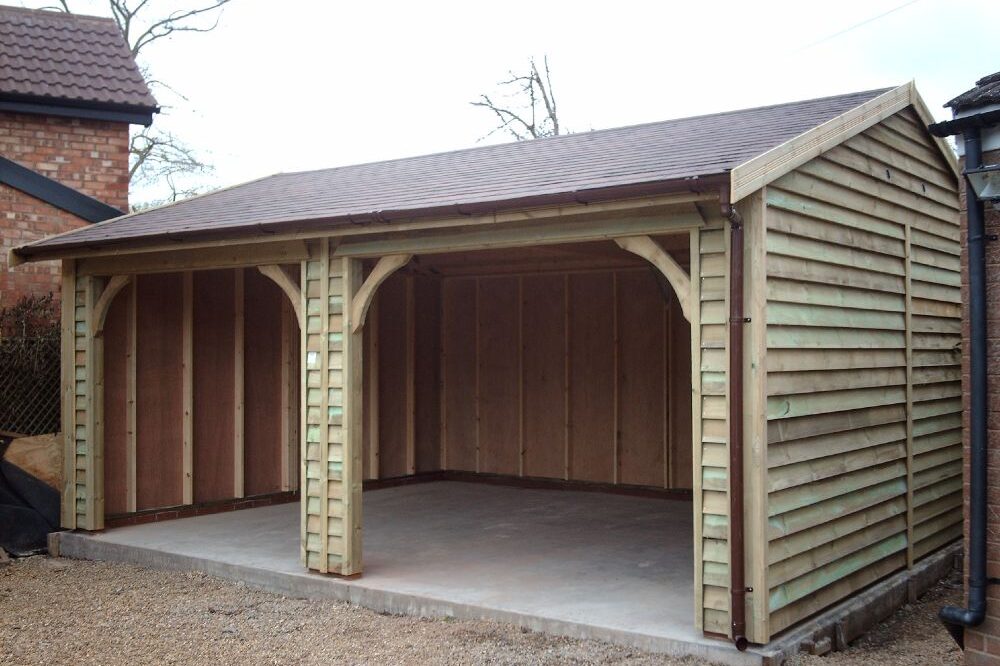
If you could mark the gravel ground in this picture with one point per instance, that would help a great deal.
(56, 611)
(912, 637)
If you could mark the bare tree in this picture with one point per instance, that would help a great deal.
(157, 156)
(529, 110)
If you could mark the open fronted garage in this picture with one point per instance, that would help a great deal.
(751, 318)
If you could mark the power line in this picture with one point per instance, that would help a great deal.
(855, 26)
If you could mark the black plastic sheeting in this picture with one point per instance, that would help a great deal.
(29, 510)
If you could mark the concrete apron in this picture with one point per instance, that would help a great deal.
(582, 565)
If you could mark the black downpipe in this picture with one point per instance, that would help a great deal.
(954, 618)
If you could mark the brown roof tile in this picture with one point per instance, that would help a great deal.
(68, 58)
(475, 180)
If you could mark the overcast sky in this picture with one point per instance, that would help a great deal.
(306, 84)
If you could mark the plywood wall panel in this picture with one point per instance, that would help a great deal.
(116, 347)
(592, 361)
(458, 336)
(544, 339)
(427, 367)
(499, 376)
(392, 329)
(213, 370)
(159, 437)
(678, 398)
(262, 384)
(641, 379)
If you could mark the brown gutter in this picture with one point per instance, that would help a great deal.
(737, 570)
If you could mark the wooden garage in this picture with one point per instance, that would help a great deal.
(759, 310)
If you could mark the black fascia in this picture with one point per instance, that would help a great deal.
(55, 193)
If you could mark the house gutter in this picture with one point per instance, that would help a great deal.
(955, 618)
(737, 566)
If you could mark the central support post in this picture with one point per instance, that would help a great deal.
(332, 386)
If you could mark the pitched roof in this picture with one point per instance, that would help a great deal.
(69, 59)
(986, 93)
(575, 167)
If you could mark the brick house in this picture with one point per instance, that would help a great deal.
(976, 125)
(69, 90)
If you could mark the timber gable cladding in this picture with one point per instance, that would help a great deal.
(851, 378)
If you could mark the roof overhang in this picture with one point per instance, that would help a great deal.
(775, 163)
(560, 203)
(76, 109)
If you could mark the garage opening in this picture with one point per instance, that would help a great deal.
(544, 394)
(562, 363)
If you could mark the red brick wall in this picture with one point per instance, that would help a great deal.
(88, 155)
(982, 644)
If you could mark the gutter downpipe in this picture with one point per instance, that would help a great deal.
(955, 618)
(737, 567)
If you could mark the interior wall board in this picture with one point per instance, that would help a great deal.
(543, 338)
(159, 410)
(458, 335)
(641, 385)
(262, 443)
(392, 331)
(499, 380)
(213, 384)
(592, 410)
(427, 366)
(116, 344)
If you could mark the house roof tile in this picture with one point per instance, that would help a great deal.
(49, 56)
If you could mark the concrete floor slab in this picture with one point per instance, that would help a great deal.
(587, 565)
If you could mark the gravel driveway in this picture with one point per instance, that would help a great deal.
(56, 611)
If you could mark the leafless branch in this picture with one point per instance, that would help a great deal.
(158, 157)
(533, 112)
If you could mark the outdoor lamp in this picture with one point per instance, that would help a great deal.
(985, 182)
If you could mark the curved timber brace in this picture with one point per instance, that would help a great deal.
(103, 304)
(385, 267)
(278, 275)
(650, 250)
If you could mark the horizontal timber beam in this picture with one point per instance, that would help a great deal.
(228, 256)
(362, 300)
(349, 230)
(648, 249)
(560, 231)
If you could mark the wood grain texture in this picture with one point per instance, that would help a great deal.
(592, 420)
(861, 309)
(458, 326)
(159, 436)
(392, 419)
(499, 391)
(262, 385)
(427, 369)
(641, 369)
(214, 395)
(116, 344)
(543, 337)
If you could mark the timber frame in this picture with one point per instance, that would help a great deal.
(850, 378)
(330, 299)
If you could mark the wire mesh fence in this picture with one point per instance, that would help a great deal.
(29, 385)
(29, 366)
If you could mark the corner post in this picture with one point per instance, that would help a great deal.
(82, 402)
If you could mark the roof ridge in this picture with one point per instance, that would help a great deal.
(604, 130)
(27, 11)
